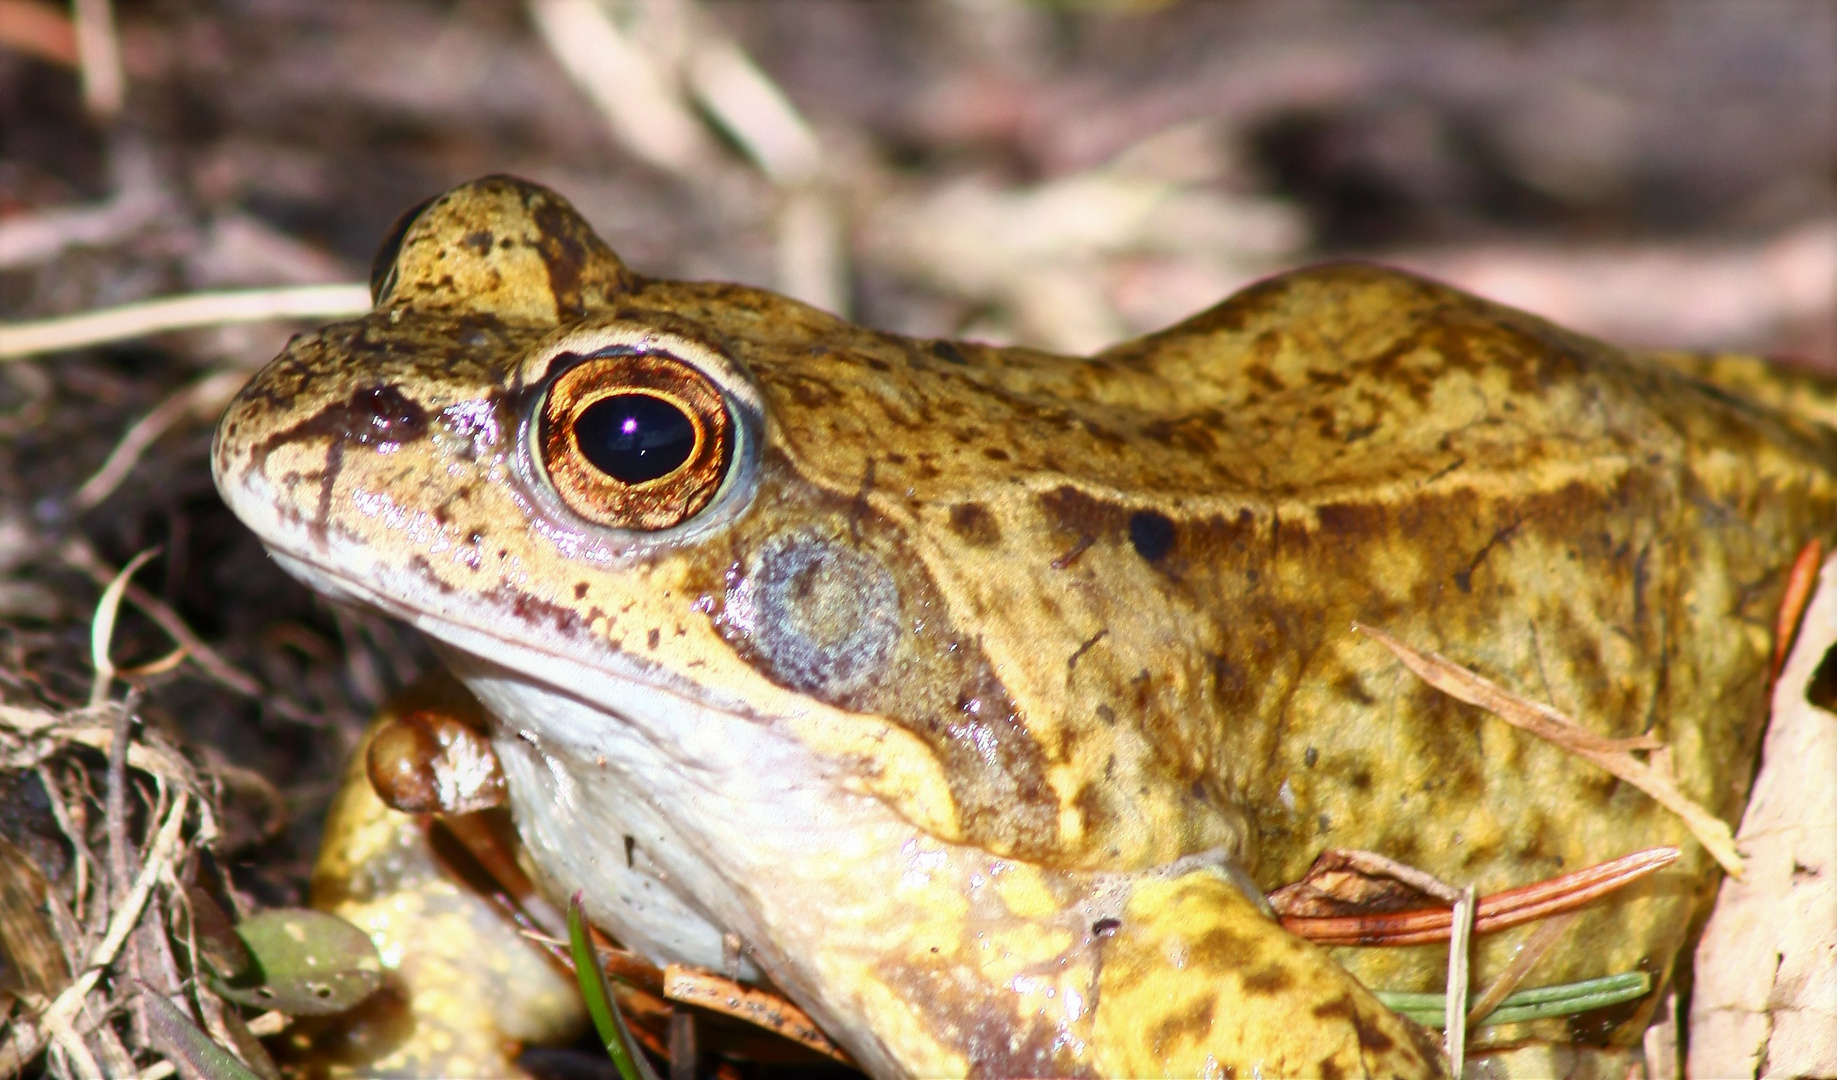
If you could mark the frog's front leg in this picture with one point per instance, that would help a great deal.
(973, 965)
(464, 991)
(1197, 981)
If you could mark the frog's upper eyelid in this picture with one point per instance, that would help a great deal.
(581, 342)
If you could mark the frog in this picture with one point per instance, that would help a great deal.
(974, 696)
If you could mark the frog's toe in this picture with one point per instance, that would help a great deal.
(1196, 981)
(464, 991)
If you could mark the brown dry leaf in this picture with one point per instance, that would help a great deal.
(1765, 998)
(1613, 755)
(1341, 883)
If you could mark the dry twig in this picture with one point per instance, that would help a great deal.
(180, 313)
(1612, 755)
(1492, 913)
(694, 986)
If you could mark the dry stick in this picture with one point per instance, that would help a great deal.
(1454, 1030)
(36, 28)
(694, 986)
(99, 52)
(1494, 912)
(1611, 755)
(182, 312)
(102, 628)
(1542, 939)
(120, 858)
(61, 814)
(1422, 881)
(208, 395)
(122, 920)
(78, 553)
(645, 111)
(1800, 581)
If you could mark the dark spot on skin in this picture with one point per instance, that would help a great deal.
(480, 241)
(1083, 648)
(1371, 1038)
(1106, 927)
(1152, 533)
(374, 416)
(1069, 558)
(1325, 822)
(973, 522)
(580, 589)
(1268, 980)
(1310, 757)
(652, 638)
(1330, 1070)
(1353, 690)
(1221, 949)
(994, 453)
(566, 245)
(1190, 1025)
(1106, 714)
(631, 846)
(1463, 579)
(948, 352)
(537, 612)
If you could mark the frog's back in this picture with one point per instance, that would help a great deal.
(1592, 528)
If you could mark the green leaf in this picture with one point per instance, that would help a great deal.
(188, 1041)
(218, 944)
(620, 1046)
(306, 963)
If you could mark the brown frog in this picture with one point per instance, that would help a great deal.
(975, 692)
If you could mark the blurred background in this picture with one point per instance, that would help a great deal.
(1059, 174)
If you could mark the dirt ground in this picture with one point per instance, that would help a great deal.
(1659, 173)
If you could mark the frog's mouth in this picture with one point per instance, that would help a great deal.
(622, 687)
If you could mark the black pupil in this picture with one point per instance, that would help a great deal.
(634, 437)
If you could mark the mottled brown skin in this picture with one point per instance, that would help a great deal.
(1102, 607)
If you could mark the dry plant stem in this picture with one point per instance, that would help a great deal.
(120, 855)
(1800, 581)
(78, 553)
(1542, 939)
(122, 919)
(102, 628)
(36, 28)
(1373, 863)
(182, 312)
(1495, 912)
(99, 51)
(639, 102)
(1454, 1027)
(693, 986)
(204, 399)
(1612, 755)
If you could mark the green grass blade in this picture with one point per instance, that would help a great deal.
(620, 1046)
(1540, 1003)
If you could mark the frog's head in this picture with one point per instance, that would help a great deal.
(669, 497)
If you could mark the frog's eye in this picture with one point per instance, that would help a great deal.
(634, 440)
